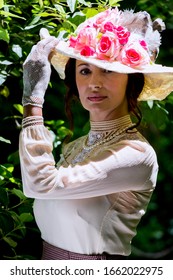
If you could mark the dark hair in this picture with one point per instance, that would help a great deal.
(134, 87)
(133, 90)
(72, 91)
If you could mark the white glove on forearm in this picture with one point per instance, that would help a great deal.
(37, 70)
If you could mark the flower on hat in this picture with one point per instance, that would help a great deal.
(134, 55)
(109, 15)
(87, 51)
(107, 47)
(104, 37)
(123, 34)
(86, 37)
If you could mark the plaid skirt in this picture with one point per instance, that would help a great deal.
(51, 252)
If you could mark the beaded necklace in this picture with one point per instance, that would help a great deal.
(102, 133)
(104, 140)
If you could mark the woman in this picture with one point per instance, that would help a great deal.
(89, 205)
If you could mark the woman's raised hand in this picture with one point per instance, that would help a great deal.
(37, 70)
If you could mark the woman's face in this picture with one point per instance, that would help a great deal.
(101, 92)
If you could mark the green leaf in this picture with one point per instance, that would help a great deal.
(9, 167)
(10, 241)
(26, 217)
(6, 222)
(6, 62)
(19, 193)
(35, 20)
(5, 140)
(5, 91)
(19, 108)
(17, 50)
(14, 158)
(46, 14)
(63, 132)
(4, 199)
(6, 170)
(4, 35)
(15, 217)
(77, 18)
(8, 14)
(2, 79)
(72, 5)
(1, 4)
(2, 182)
(87, 4)
(41, 3)
(60, 9)
(114, 3)
(54, 123)
(90, 12)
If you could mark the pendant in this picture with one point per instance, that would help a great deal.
(94, 137)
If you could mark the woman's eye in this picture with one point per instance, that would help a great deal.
(85, 71)
(107, 71)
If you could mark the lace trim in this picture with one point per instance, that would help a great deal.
(115, 124)
(32, 100)
(31, 121)
(102, 132)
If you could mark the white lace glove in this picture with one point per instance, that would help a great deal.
(37, 70)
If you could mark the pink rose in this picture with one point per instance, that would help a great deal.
(87, 51)
(123, 35)
(105, 44)
(85, 24)
(134, 55)
(72, 41)
(102, 17)
(109, 15)
(108, 47)
(86, 37)
(108, 26)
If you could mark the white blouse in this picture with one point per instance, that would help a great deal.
(94, 199)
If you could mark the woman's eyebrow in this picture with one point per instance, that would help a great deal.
(82, 64)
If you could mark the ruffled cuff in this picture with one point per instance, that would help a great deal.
(31, 121)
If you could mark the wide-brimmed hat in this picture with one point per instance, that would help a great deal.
(120, 41)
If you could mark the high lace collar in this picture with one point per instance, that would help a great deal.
(105, 131)
(106, 126)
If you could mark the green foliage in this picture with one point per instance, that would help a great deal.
(20, 22)
(15, 213)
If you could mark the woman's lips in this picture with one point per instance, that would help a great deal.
(96, 98)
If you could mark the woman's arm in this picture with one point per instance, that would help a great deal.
(124, 168)
(30, 111)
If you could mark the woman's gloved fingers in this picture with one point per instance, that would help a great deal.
(44, 33)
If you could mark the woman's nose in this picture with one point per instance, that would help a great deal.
(95, 82)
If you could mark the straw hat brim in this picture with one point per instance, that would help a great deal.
(158, 79)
